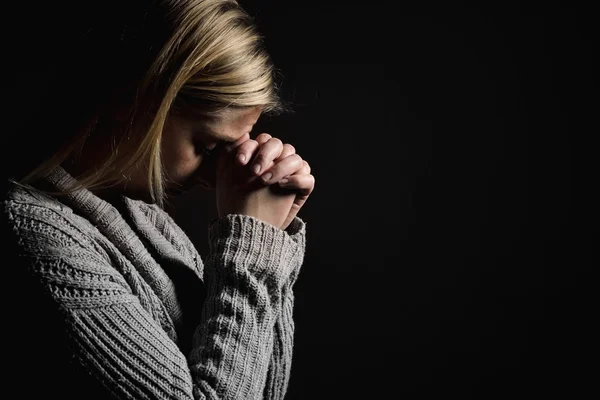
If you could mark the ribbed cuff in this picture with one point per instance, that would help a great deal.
(241, 243)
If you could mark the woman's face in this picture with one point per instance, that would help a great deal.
(184, 138)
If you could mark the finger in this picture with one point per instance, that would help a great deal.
(231, 146)
(307, 167)
(304, 170)
(245, 151)
(282, 168)
(304, 184)
(263, 138)
(287, 151)
(268, 151)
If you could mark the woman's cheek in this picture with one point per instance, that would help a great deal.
(189, 165)
(180, 165)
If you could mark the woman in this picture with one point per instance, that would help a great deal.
(113, 300)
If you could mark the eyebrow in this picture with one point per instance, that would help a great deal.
(223, 138)
(218, 137)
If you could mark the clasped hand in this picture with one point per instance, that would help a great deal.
(263, 178)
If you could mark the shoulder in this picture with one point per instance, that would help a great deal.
(22, 200)
(47, 240)
(38, 222)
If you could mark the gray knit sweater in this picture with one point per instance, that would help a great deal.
(117, 291)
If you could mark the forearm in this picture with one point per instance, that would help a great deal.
(248, 276)
(233, 343)
(280, 364)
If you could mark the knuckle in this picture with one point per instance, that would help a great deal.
(248, 144)
(276, 141)
(263, 137)
(289, 148)
(297, 159)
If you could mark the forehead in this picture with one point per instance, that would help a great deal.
(231, 123)
(238, 115)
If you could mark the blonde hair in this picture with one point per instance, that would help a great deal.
(210, 57)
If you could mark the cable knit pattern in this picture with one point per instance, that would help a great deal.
(140, 312)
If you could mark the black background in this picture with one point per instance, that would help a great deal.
(448, 249)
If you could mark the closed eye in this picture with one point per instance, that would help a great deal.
(209, 152)
(206, 151)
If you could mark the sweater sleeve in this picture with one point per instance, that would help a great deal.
(278, 375)
(279, 369)
(121, 344)
(240, 248)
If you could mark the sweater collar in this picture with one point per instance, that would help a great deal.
(143, 233)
